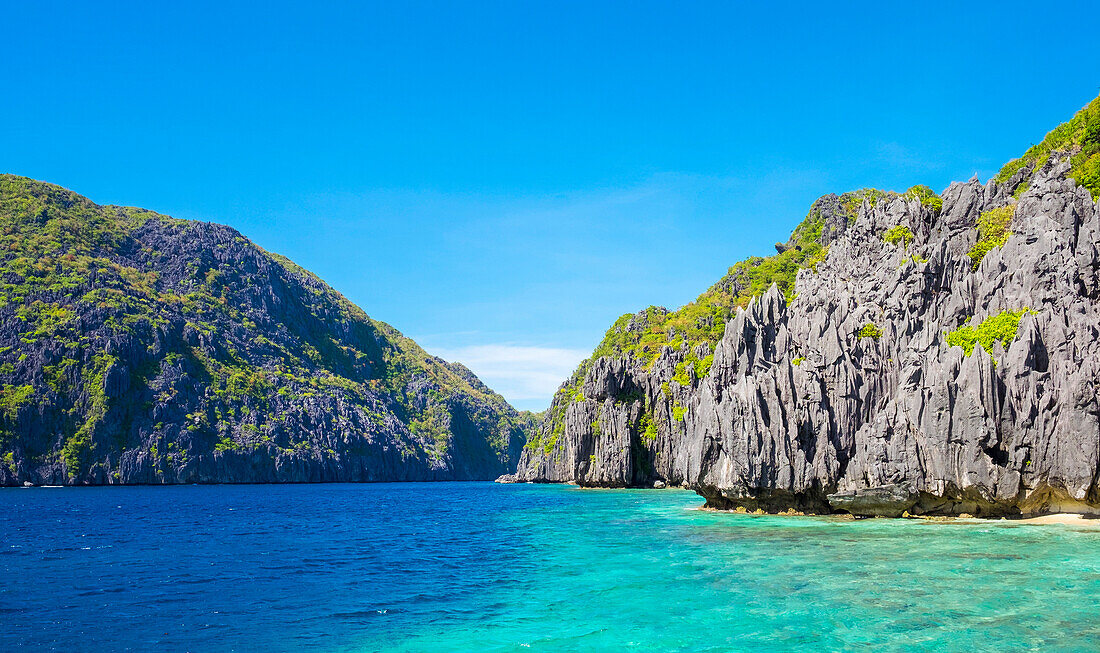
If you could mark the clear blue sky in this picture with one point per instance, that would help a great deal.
(501, 180)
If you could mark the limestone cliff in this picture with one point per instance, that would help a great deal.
(135, 348)
(936, 355)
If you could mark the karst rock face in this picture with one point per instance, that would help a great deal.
(140, 349)
(805, 406)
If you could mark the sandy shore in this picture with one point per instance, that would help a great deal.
(1066, 518)
(1061, 518)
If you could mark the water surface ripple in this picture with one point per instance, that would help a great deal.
(484, 567)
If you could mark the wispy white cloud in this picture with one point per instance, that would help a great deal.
(526, 376)
(521, 288)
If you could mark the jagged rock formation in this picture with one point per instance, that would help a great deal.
(135, 348)
(853, 389)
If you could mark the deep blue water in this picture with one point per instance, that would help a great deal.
(485, 567)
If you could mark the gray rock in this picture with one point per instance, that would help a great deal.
(882, 501)
(187, 354)
(877, 426)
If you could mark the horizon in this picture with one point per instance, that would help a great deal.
(528, 185)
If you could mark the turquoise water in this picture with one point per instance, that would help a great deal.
(485, 567)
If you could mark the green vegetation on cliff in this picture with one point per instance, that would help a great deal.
(109, 315)
(1080, 138)
(853, 200)
(899, 236)
(704, 320)
(1001, 327)
(926, 196)
(870, 330)
(992, 232)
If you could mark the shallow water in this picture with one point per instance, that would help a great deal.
(485, 567)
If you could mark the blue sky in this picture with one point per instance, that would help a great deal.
(501, 180)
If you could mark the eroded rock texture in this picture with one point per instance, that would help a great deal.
(135, 348)
(799, 411)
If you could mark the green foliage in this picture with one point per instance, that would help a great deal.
(680, 374)
(75, 450)
(755, 275)
(55, 374)
(545, 443)
(647, 428)
(992, 232)
(678, 412)
(80, 278)
(797, 360)
(926, 196)
(77, 447)
(43, 319)
(434, 425)
(869, 330)
(704, 320)
(898, 236)
(1080, 137)
(700, 366)
(852, 201)
(226, 444)
(12, 397)
(235, 383)
(1001, 327)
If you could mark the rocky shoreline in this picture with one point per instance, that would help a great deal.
(886, 501)
(934, 355)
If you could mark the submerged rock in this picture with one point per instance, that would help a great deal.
(882, 501)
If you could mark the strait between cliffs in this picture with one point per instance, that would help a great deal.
(900, 353)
